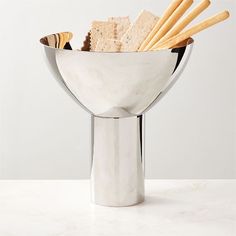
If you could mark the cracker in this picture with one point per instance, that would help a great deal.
(101, 30)
(138, 31)
(108, 45)
(123, 23)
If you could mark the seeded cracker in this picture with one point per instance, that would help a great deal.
(138, 31)
(101, 30)
(123, 23)
(108, 45)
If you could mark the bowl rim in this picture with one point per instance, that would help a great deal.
(184, 43)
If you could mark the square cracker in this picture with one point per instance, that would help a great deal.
(101, 30)
(138, 31)
(123, 23)
(108, 45)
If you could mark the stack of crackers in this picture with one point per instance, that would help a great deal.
(118, 34)
(148, 31)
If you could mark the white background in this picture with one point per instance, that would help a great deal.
(44, 134)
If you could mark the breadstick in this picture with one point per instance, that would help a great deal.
(174, 4)
(183, 23)
(193, 30)
(181, 9)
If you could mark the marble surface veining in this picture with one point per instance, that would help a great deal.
(172, 207)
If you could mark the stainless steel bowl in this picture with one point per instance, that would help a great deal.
(117, 89)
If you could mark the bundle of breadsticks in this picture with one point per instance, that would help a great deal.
(150, 32)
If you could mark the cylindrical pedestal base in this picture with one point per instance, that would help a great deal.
(117, 168)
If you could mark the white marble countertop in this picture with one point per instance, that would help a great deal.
(172, 207)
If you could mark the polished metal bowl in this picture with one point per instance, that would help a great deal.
(117, 89)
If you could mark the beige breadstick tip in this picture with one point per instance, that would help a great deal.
(186, 20)
(177, 14)
(173, 5)
(193, 30)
